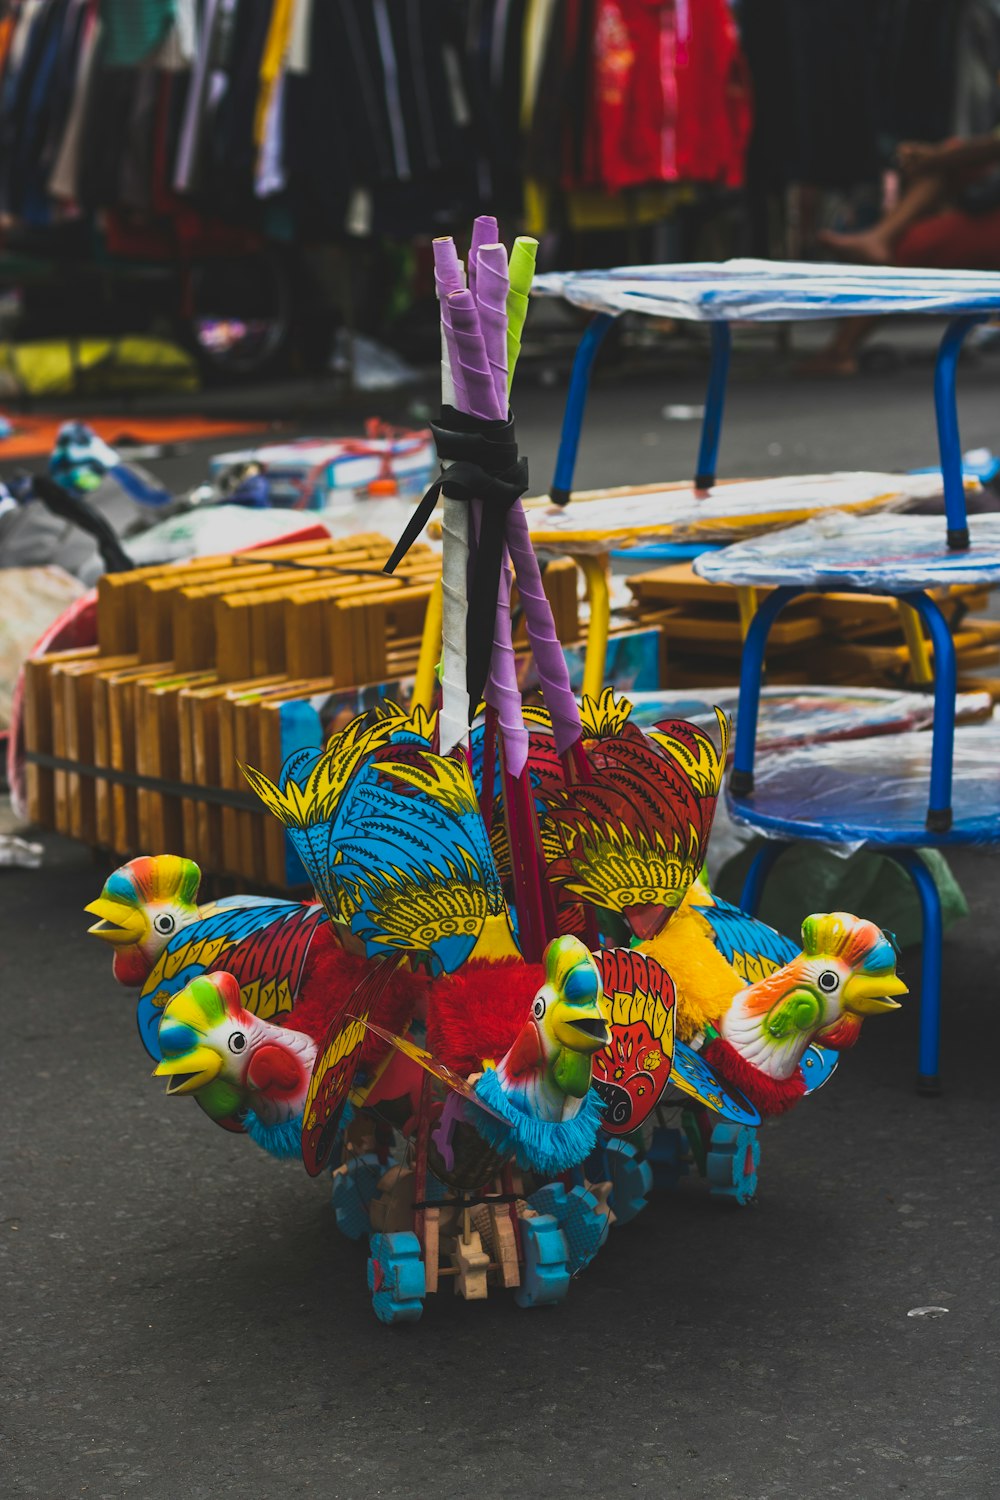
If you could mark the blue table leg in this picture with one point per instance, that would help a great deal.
(561, 488)
(764, 861)
(949, 443)
(715, 398)
(751, 674)
(945, 682)
(929, 1076)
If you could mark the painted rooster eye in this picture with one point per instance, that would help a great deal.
(237, 1042)
(164, 923)
(828, 981)
(538, 1009)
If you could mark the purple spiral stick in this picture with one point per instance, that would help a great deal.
(485, 231)
(472, 361)
(449, 277)
(502, 691)
(492, 286)
(553, 670)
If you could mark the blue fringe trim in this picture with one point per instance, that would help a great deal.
(543, 1146)
(283, 1140)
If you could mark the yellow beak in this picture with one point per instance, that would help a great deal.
(190, 1071)
(118, 923)
(581, 1028)
(869, 994)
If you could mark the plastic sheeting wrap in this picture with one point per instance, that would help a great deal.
(30, 599)
(621, 518)
(215, 528)
(764, 291)
(802, 715)
(877, 554)
(851, 794)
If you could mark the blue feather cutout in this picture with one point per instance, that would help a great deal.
(543, 1146)
(283, 1140)
(736, 933)
(386, 829)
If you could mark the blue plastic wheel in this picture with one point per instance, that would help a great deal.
(631, 1180)
(732, 1162)
(396, 1277)
(353, 1191)
(545, 1273)
(579, 1216)
(669, 1158)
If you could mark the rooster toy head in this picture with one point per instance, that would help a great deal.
(140, 908)
(846, 971)
(541, 1105)
(549, 1067)
(230, 1060)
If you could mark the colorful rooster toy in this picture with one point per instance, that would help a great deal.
(513, 1005)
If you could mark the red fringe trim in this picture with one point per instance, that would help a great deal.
(478, 1012)
(471, 1015)
(772, 1096)
(330, 979)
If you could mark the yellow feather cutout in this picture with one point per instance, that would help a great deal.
(444, 780)
(604, 717)
(316, 802)
(617, 868)
(704, 981)
(705, 765)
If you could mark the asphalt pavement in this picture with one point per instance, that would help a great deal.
(777, 421)
(182, 1320)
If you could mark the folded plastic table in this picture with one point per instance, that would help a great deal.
(762, 291)
(684, 525)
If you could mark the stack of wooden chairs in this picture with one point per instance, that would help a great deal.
(819, 638)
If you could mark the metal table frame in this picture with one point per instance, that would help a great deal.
(939, 811)
(945, 406)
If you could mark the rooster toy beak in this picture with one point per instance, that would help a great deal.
(118, 923)
(582, 1028)
(192, 1070)
(870, 994)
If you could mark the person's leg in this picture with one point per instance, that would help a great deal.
(946, 241)
(840, 357)
(875, 246)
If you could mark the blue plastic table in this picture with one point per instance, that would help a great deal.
(935, 790)
(719, 293)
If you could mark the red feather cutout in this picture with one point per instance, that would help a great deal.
(279, 951)
(640, 789)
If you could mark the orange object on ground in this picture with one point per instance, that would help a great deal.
(34, 437)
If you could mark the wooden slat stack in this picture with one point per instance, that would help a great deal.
(206, 664)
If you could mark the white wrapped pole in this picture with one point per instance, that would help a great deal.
(453, 721)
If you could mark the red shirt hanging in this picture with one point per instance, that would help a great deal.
(669, 99)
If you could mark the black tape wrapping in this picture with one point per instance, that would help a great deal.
(482, 465)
